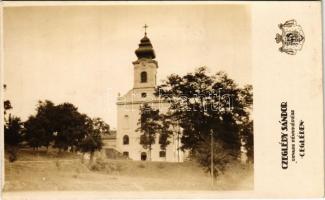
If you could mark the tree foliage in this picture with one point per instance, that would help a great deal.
(166, 130)
(148, 126)
(153, 124)
(71, 127)
(93, 140)
(7, 106)
(61, 126)
(39, 129)
(64, 127)
(204, 103)
(13, 131)
(100, 127)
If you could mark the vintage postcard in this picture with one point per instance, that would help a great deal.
(215, 99)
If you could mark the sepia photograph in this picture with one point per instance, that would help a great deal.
(128, 98)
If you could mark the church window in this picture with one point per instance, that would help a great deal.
(143, 156)
(143, 94)
(126, 154)
(143, 77)
(162, 154)
(125, 139)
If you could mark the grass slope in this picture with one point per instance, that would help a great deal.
(48, 172)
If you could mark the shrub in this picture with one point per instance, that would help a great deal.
(221, 157)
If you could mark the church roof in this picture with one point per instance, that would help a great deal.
(145, 49)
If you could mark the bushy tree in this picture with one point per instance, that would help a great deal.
(100, 126)
(70, 127)
(39, 129)
(152, 124)
(204, 103)
(13, 131)
(61, 125)
(35, 133)
(7, 106)
(13, 135)
(166, 130)
(248, 139)
(149, 126)
(93, 140)
(221, 156)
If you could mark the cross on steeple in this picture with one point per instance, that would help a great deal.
(145, 29)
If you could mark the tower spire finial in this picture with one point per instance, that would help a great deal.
(145, 29)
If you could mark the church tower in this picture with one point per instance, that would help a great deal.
(128, 109)
(145, 67)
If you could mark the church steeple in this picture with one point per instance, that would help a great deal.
(145, 49)
(145, 67)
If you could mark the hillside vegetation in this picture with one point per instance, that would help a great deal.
(47, 172)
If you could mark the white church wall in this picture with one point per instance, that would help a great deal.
(150, 69)
(130, 114)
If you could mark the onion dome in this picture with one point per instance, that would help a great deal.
(145, 49)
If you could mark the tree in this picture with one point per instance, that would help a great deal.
(204, 103)
(35, 133)
(221, 156)
(70, 126)
(93, 141)
(149, 125)
(248, 139)
(6, 105)
(60, 124)
(64, 127)
(100, 127)
(13, 136)
(39, 129)
(12, 131)
(247, 133)
(165, 131)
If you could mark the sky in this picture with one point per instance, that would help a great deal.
(84, 54)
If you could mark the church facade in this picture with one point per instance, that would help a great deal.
(128, 111)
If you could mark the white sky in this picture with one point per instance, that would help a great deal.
(84, 54)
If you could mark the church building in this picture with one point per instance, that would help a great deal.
(128, 110)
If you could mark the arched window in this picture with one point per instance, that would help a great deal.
(143, 77)
(143, 156)
(125, 139)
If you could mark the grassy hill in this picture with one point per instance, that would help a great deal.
(47, 172)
